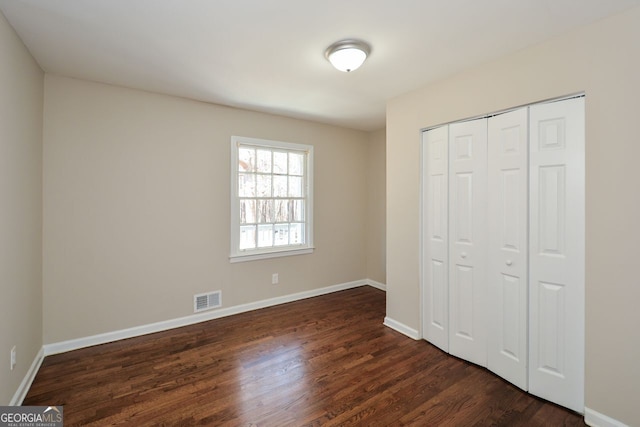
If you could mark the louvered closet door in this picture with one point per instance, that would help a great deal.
(507, 221)
(557, 266)
(467, 240)
(436, 198)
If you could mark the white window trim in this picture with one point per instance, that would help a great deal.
(236, 255)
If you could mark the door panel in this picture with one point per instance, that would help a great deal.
(551, 349)
(463, 310)
(464, 207)
(556, 321)
(435, 187)
(507, 243)
(467, 248)
(438, 300)
(552, 202)
(511, 319)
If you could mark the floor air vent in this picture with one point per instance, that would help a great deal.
(207, 301)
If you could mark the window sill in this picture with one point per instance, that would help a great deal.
(267, 255)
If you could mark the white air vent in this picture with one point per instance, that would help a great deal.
(207, 301)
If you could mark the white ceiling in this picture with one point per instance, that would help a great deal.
(268, 55)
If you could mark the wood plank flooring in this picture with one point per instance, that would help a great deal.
(324, 361)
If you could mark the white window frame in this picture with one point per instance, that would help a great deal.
(240, 255)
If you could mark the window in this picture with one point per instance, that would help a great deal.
(271, 199)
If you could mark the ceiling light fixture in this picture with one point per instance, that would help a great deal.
(347, 55)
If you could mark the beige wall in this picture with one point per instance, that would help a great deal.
(376, 206)
(602, 60)
(136, 207)
(21, 89)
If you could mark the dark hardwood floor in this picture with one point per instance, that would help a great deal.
(324, 361)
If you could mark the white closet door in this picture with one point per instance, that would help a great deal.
(467, 248)
(556, 370)
(435, 237)
(508, 248)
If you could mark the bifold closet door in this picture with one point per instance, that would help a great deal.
(507, 290)
(557, 224)
(435, 154)
(467, 240)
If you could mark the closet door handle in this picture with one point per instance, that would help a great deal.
(509, 262)
(463, 254)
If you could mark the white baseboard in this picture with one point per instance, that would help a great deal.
(596, 419)
(25, 385)
(402, 328)
(74, 344)
(376, 285)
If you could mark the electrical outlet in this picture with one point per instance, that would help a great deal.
(274, 279)
(13, 357)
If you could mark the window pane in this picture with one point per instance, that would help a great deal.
(295, 186)
(281, 235)
(247, 237)
(247, 211)
(264, 161)
(263, 185)
(296, 164)
(297, 210)
(296, 234)
(246, 185)
(265, 235)
(279, 186)
(281, 210)
(246, 159)
(279, 162)
(265, 211)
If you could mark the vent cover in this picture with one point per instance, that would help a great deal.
(207, 301)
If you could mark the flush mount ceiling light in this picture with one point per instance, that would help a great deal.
(347, 55)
